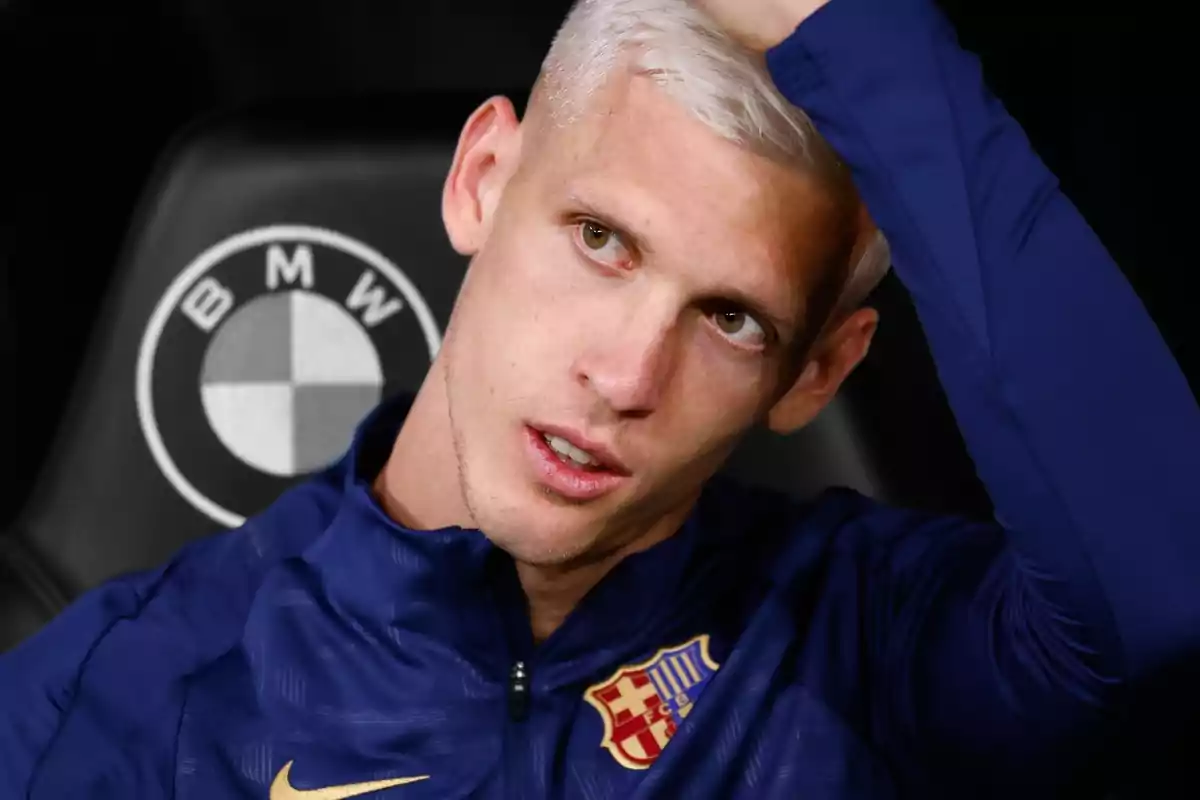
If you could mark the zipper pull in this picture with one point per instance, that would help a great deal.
(518, 692)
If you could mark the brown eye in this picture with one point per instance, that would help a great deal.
(730, 322)
(602, 245)
(739, 327)
(594, 237)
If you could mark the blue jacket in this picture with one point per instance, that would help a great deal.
(771, 649)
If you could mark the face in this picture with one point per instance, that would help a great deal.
(634, 302)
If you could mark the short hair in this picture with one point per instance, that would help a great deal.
(717, 80)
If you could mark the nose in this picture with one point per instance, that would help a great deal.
(629, 362)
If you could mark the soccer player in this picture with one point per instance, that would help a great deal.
(525, 581)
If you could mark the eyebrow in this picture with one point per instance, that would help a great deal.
(641, 245)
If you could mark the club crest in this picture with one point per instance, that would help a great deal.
(642, 705)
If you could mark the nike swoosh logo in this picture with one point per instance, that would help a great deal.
(282, 789)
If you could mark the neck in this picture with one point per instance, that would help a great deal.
(554, 591)
(419, 485)
(419, 488)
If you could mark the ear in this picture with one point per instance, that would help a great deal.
(832, 359)
(489, 149)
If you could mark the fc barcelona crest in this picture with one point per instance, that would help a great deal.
(642, 705)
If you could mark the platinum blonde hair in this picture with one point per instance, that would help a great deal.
(701, 67)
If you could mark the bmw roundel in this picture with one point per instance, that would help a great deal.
(265, 353)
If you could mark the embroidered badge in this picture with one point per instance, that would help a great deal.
(642, 705)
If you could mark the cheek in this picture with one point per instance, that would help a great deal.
(714, 399)
(516, 312)
(544, 296)
(717, 397)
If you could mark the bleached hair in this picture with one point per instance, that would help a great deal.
(702, 68)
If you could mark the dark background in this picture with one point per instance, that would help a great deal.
(91, 93)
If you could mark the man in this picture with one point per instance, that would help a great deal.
(525, 583)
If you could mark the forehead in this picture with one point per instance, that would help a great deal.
(635, 152)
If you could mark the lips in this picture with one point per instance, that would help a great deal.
(603, 457)
(562, 475)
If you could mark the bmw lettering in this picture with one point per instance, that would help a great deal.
(265, 353)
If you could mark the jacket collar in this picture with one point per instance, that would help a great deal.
(454, 586)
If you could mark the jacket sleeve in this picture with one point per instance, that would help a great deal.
(91, 705)
(38, 680)
(1079, 421)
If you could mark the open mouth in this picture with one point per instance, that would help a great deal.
(570, 470)
(571, 454)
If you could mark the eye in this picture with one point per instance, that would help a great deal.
(739, 328)
(601, 244)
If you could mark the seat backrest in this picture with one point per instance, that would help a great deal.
(284, 271)
(288, 269)
(8, 352)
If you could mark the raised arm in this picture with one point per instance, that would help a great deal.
(1078, 419)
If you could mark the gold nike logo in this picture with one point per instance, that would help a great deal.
(282, 789)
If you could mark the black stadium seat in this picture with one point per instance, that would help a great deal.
(286, 269)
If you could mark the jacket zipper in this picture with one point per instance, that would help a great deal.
(518, 701)
(518, 691)
(517, 729)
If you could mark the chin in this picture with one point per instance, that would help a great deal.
(527, 520)
(540, 537)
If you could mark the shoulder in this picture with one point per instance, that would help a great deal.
(193, 600)
(862, 520)
(211, 583)
(114, 665)
(844, 525)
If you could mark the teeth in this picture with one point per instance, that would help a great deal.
(568, 450)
